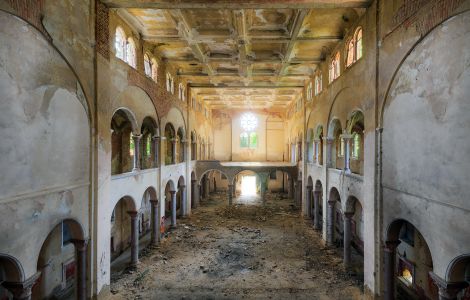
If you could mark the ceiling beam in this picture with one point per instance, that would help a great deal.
(251, 39)
(187, 34)
(316, 60)
(268, 86)
(240, 4)
(299, 20)
(219, 74)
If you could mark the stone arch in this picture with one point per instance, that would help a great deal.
(145, 210)
(459, 269)
(206, 172)
(131, 117)
(11, 269)
(56, 251)
(404, 238)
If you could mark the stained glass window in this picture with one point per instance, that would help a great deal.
(248, 122)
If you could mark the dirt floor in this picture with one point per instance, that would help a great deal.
(248, 251)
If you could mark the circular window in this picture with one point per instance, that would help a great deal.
(248, 122)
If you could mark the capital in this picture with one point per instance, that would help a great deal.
(80, 245)
(22, 290)
(328, 140)
(182, 186)
(132, 214)
(156, 138)
(309, 187)
(447, 290)
(154, 202)
(136, 136)
(348, 214)
(346, 136)
(391, 245)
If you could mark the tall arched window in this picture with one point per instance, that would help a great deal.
(310, 91)
(318, 84)
(130, 53)
(154, 69)
(354, 48)
(148, 65)
(169, 83)
(181, 92)
(249, 137)
(334, 67)
(120, 43)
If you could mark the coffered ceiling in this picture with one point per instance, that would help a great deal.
(243, 54)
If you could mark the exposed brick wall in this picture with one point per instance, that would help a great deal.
(102, 30)
(423, 15)
(161, 98)
(31, 11)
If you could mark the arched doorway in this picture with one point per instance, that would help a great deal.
(62, 263)
(335, 220)
(170, 205)
(11, 273)
(353, 233)
(122, 142)
(407, 253)
(124, 235)
(457, 283)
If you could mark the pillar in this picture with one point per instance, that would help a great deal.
(290, 187)
(447, 290)
(347, 239)
(207, 187)
(317, 151)
(156, 153)
(183, 200)
(22, 290)
(155, 237)
(136, 139)
(173, 151)
(198, 195)
(316, 209)
(134, 237)
(330, 223)
(193, 192)
(299, 193)
(329, 147)
(308, 199)
(295, 192)
(173, 209)
(230, 194)
(347, 152)
(183, 144)
(389, 269)
(80, 253)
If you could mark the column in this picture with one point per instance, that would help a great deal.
(22, 290)
(347, 153)
(329, 145)
(295, 192)
(290, 188)
(173, 209)
(183, 200)
(155, 237)
(136, 139)
(173, 151)
(447, 290)
(308, 199)
(230, 194)
(299, 193)
(183, 144)
(347, 239)
(198, 195)
(156, 152)
(207, 187)
(81, 251)
(193, 192)
(316, 209)
(134, 238)
(389, 269)
(330, 223)
(317, 151)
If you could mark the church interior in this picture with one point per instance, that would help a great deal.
(244, 149)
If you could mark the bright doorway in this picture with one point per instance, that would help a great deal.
(248, 186)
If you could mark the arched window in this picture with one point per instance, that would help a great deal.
(334, 67)
(148, 65)
(131, 146)
(169, 82)
(356, 145)
(253, 140)
(244, 142)
(310, 91)
(130, 53)
(358, 43)
(120, 43)
(354, 48)
(154, 69)
(318, 84)
(181, 92)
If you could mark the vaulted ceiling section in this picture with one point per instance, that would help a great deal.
(243, 54)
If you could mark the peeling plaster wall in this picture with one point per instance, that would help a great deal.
(45, 143)
(425, 146)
